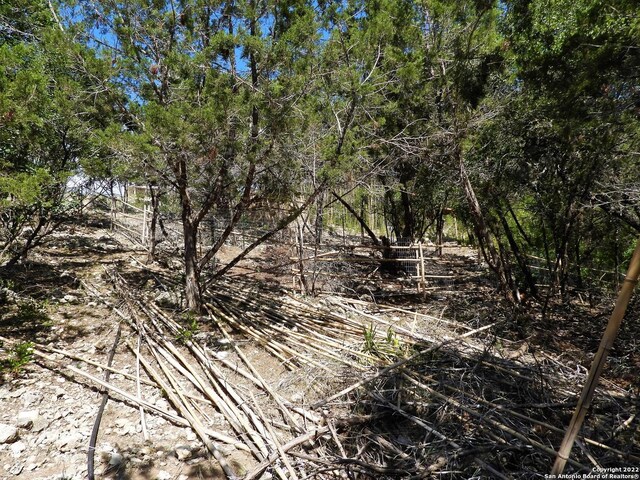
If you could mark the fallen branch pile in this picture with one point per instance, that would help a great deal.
(355, 393)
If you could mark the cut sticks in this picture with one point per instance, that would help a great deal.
(152, 408)
(397, 365)
(181, 405)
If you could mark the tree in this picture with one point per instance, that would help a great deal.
(563, 135)
(218, 90)
(48, 110)
(455, 51)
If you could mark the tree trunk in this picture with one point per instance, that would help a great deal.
(155, 214)
(407, 214)
(439, 231)
(529, 281)
(192, 291)
(319, 217)
(193, 294)
(29, 243)
(489, 251)
(358, 217)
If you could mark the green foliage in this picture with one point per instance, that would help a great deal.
(23, 20)
(258, 103)
(388, 348)
(18, 356)
(49, 109)
(564, 133)
(186, 334)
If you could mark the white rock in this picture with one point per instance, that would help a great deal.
(115, 459)
(27, 418)
(67, 411)
(162, 475)
(31, 398)
(121, 422)
(8, 433)
(59, 392)
(183, 452)
(16, 469)
(17, 448)
(69, 441)
(46, 437)
(17, 393)
(70, 298)
(218, 419)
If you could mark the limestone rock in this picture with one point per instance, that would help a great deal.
(183, 452)
(27, 418)
(116, 459)
(17, 448)
(8, 433)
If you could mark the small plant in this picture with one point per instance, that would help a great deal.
(19, 356)
(186, 334)
(387, 348)
(31, 312)
(392, 339)
(370, 340)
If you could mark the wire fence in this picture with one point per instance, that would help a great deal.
(335, 254)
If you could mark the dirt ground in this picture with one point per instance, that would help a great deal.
(66, 301)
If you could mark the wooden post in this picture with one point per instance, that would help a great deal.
(362, 216)
(113, 212)
(597, 366)
(144, 224)
(421, 250)
(417, 263)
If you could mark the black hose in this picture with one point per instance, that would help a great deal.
(105, 397)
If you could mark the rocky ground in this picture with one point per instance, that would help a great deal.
(64, 300)
(47, 417)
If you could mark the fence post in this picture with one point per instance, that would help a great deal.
(144, 224)
(422, 277)
(416, 263)
(113, 213)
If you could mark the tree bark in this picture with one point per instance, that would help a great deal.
(439, 230)
(407, 214)
(358, 217)
(153, 228)
(193, 294)
(192, 291)
(487, 247)
(529, 281)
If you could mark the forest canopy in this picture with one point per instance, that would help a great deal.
(520, 118)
